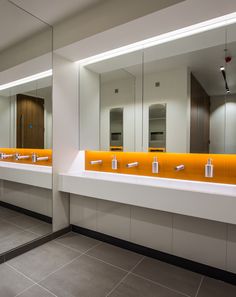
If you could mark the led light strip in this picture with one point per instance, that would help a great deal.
(163, 38)
(26, 79)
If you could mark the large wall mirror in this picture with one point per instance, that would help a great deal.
(25, 127)
(178, 96)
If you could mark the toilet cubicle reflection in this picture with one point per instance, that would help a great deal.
(25, 128)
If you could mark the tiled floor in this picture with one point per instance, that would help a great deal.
(17, 229)
(77, 266)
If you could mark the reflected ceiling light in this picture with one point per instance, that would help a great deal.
(222, 68)
(26, 79)
(163, 38)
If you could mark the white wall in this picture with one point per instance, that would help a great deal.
(179, 235)
(89, 106)
(65, 132)
(223, 124)
(125, 98)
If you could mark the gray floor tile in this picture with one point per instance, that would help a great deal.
(41, 229)
(14, 240)
(7, 228)
(115, 256)
(171, 276)
(84, 277)
(133, 286)
(77, 241)
(6, 213)
(24, 221)
(43, 260)
(214, 288)
(36, 291)
(11, 282)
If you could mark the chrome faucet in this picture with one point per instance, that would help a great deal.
(5, 156)
(95, 162)
(36, 158)
(179, 167)
(130, 165)
(19, 157)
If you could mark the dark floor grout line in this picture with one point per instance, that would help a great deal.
(199, 287)
(160, 284)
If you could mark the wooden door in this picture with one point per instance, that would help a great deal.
(200, 118)
(30, 122)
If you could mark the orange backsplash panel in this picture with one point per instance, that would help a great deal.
(224, 165)
(39, 152)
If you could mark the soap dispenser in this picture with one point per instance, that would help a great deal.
(155, 165)
(209, 168)
(114, 163)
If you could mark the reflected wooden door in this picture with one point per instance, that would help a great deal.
(30, 122)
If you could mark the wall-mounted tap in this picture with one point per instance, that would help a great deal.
(19, 157)
(96, 162)
(209, 168)
(130, 165)
(36, 158)
(179, 167)
(5, 156)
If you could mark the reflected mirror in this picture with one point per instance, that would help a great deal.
(116, 129)
(178, 96)
(157, 128)
(25, 127)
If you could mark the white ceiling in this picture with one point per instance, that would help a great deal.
(54, 11)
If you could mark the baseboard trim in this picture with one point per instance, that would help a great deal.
(27, 212)
(32, 244)
(206, 270)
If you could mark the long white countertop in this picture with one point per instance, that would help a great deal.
(199, 199)
(29, 174)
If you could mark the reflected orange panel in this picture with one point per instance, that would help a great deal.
(39, 152)
(224, 165)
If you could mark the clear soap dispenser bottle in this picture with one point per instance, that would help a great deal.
(155, 165)
(209, 168)
(114, 163)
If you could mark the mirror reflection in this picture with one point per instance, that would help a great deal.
(25, 128)
(116, 129)
(157, 128)
(26, 115)
(192, 78)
